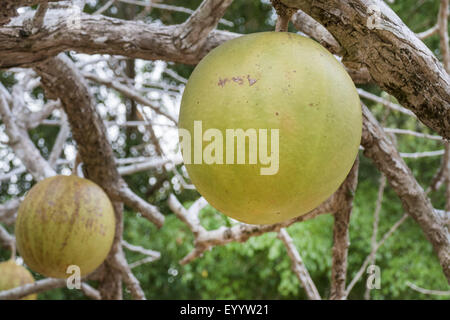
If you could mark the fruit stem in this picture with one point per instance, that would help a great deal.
(284, 15)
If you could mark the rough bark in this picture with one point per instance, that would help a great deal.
(341, 240)
(194, 32)
(206, 239)
(387, 159)
(98, 34)
(8, 8)
(397, 60)
(61, 78)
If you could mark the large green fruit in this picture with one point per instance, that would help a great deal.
(12, 275)
(63, 221)
(270, 80)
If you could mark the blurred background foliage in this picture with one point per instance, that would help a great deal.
(260, 268)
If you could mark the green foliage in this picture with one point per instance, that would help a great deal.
(260, 267)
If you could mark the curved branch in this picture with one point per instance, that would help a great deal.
(298, 266)
(98, 34)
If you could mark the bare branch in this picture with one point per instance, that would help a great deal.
(304, 23)
(130, 93)
(168, 7)
(105, 7)
(341, 241)
(147, 165)
(61, 138)
(408, 70)
(8, 8)
(31, 288)
(110, 273)
(90, 133)
(443, 33)
(193, 33)
(446, 174)
(424, 154)
(428, 33)
(22, 144)
(441, 173)
(90, 292)
(8, 241)
(385, 102)
(310, 27)
(151, 253)
(298, 266)
(284, 15)
(413, 133)
(376, 220)
(374, 250)
(38, 19)
(141, 262)
(143, 207)
(204, 240)
(8, 210)
(427, 291)
(61, 79)
(130, 280)
(5, 237)
(386, 158)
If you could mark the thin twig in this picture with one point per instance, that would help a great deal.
(427, 291)
(376, 220)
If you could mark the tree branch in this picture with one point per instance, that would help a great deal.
(443, 33)
(304, 23)
(341, 241)
(8, 8)
(375, 224)
(408, 70)
(38, 18)
(31, 288)
(143, 207)
(193, 33)
(284, 15)
(366, 262)
(22, 144)
(8, 210)
(386, 158)
(130, 93)
(90, 292)
(427, 291)
(204, 240)
(99, 34)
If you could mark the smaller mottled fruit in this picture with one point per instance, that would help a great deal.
(65, 221)
(12, 275)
